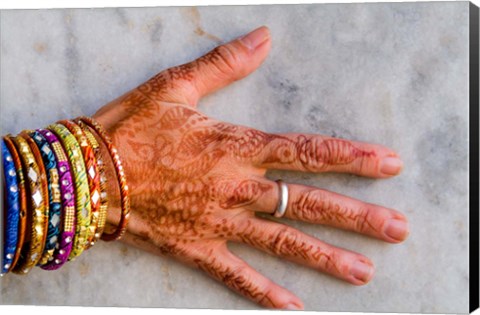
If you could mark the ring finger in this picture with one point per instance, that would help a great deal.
(319, 206)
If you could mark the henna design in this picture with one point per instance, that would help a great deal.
(135, 105)
(234, 280)
(284, 153)
(197, 140)
(183, 72)
(144, 151)
(136, 102)
(285, 242)
(226, 128)
(159, 86)
(246, 193)
(225, 229)
(249, 143)
(143, 239)
(317, 154)
(155, 86)
(312, 206)
(195, 169)
(174, 118)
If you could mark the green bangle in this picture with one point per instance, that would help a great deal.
(82, 190)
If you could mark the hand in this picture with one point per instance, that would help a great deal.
(195, 183)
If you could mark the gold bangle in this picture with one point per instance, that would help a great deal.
(38, 157)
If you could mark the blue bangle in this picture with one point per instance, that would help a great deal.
(12, 208)
(55, 206)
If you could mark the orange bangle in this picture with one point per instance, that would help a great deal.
(122, 181)
(22, 223)
(102, 218)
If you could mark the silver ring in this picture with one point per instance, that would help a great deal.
(282, 199)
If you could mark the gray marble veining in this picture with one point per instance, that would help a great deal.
(388, 73)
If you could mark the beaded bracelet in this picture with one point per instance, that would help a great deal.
(122, 181)
(82, 191)
(92, 175)
(53, 194)
(12, 206)
(102, 218)
(67, 193)
(22, 223)
(33, 247)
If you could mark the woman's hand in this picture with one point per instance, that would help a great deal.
(195, 183)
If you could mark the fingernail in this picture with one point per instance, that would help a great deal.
(361, 271)
(391, 166)
(396, 229)
(293, 307)
(253, 39)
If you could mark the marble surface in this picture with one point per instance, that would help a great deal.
(389, 73)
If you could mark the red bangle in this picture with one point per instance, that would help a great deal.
(122, 181)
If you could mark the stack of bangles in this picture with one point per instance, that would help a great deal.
(55, 194)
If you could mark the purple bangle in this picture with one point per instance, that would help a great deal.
(60, 256)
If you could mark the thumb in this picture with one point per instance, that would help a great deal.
(221, 66)
(232, 61)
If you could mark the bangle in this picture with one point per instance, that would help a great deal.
(44, 184)
(122, 181)
(82, 192)
(12, 206)
(102, 218)
(54, 207)
(92, 175)
(67, 193)
(22, 223)
(33, 247)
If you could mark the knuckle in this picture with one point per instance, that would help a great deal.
(235, 277)
(283, 151)
(331, 260)
(362, 219)
(309, 206)
(225, 59)
(317, 153)
(263, 297)
(362, 164)
(311, 153)
(239, 280)
(246, 143)
(282, 241)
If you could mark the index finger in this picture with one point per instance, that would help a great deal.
(315, 153)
